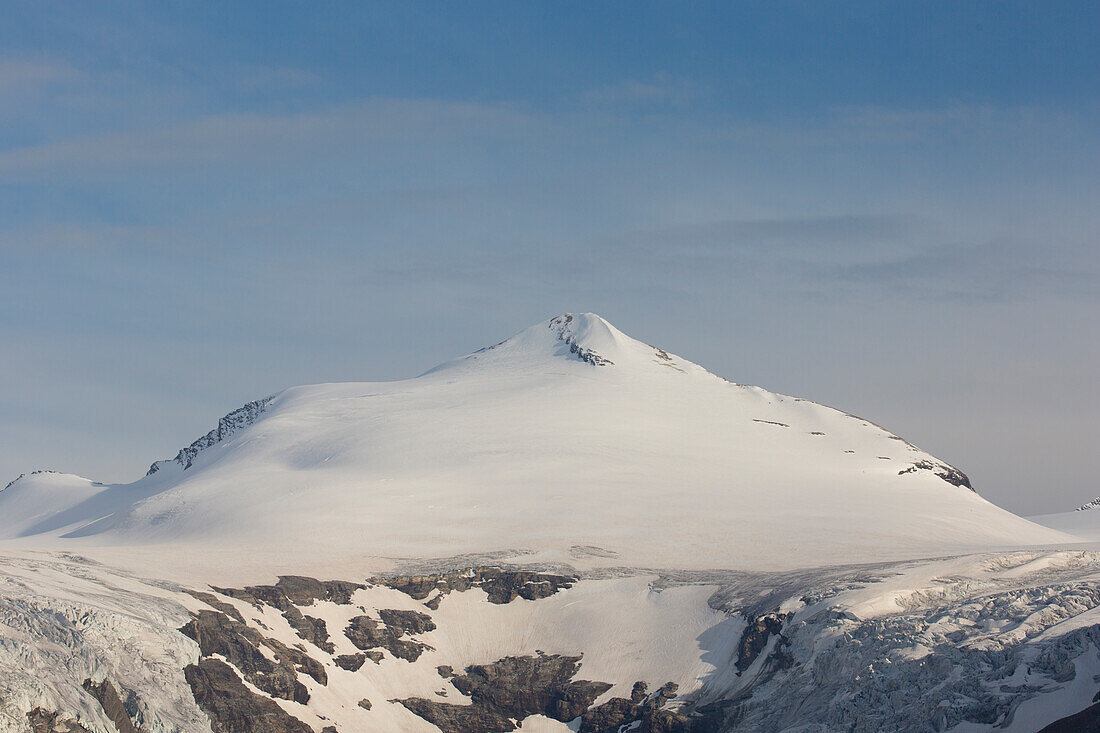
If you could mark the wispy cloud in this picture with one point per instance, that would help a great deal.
(661, 89)
(879, 123)
(793, 234)
(232, 138)
(1002, 269)
(860, 256)
(275, 79)
(88, 237)
(28, 74)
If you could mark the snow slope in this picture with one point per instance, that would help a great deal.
(1084, 522)
(40, 498)
(568, 435)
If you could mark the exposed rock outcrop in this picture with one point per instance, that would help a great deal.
(304, 591)
(755, 638)
(47, 721)
(214, 602)
(313, 630)
(502, 586)
(292, 591)
(366, 633)
(410, 622)
(240, 645)
(950, 474)
(510, 689)
(350, 662)
(112, 705)
(646, 713)
(232, 707)
(355, 662)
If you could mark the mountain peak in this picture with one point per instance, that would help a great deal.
(587, 334)
(580, 337)
(584, 336)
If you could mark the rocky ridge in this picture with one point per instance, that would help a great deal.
(228, 425)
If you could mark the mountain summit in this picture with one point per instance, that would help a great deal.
(584, 337)
(568, 442)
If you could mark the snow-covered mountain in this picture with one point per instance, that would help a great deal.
(569, 530)
(569, 434)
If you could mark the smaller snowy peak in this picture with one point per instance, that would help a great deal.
(24, 475)
(48, 476)
(232, 423)
(1094, 504)
(28, 503)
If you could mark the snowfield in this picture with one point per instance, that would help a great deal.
(570, 530)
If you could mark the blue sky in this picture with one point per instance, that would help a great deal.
(886, 207)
